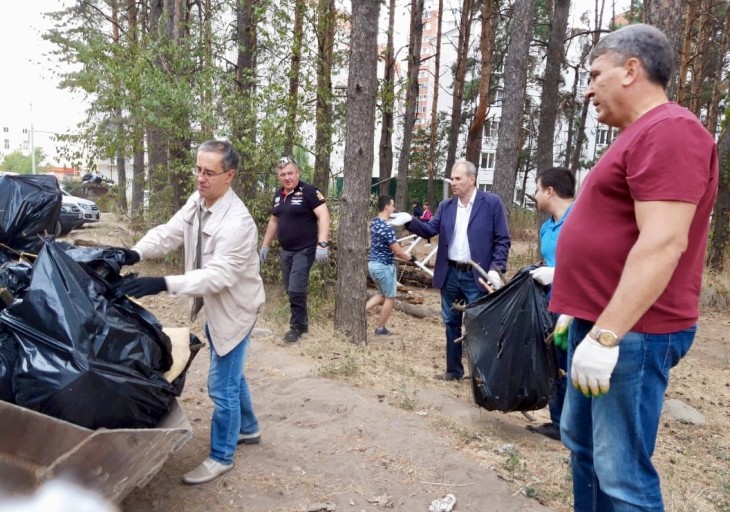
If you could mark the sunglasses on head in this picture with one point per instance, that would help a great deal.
(286, 160)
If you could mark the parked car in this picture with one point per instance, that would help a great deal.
(71, 217)
(88, 208)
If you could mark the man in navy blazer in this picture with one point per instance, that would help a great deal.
(471, 225)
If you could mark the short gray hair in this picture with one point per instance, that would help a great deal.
(469, 167)
(225, 149)
(644, 42)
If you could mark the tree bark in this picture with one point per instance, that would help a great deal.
(515, 72)
(551, 86)
(244, 126)
(490, 21)
(296, 59)
(721, 213)
(325, 56)
(414, 65)
(667, 15)
(434, 109)
(385, 160)
(359, 155)
(458, 89)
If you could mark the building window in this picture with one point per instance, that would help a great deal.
(422, 97)
(6, 144)
(423, 86)
(422, 74)
(25, 130)
(421, 110)
(491, 128)
(498, 95)
(6, 129)
(25, 145)
(605, 135)
(488, 160)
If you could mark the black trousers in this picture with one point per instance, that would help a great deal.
(295, 267)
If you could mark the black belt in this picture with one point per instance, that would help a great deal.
(464, 267)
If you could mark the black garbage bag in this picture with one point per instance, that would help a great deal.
(8, 358)
(83, 358)
(15, 277)
(30, 207)
(511, 366)
(106, 262)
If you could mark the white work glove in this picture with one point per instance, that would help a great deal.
(543, 275)
(263, 254)
(495, 279)
(560, 334)
(592, 367)
(399, 219)
(322, 254)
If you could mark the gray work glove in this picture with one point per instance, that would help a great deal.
(322, 254)
(263, 254)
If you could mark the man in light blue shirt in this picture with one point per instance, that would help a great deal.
(554, 196)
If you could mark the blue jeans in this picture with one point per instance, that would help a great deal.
(233, 410)
(611, 438)
(555, 406)
(458, 286)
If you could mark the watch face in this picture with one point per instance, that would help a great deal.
(607, 339)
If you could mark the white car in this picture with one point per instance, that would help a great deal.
(88, 208)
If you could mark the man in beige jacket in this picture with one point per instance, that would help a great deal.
(221, 272)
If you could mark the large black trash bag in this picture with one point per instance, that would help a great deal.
(15, 277)
(511, 366)
(106, 262)
(29, 206)
(8, 357)
(83, 358)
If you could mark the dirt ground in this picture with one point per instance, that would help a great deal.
(368, 428)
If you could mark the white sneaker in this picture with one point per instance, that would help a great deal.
(207, 471)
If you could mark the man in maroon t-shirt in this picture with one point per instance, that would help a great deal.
(631, 256)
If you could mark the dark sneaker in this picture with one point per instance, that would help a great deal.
(254, 438)
(446, 376)
(382, 331)
(547, 430)
(293, 336)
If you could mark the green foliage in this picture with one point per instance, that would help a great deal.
(18, 162)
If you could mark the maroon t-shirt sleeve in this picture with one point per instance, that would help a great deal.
(669, 163)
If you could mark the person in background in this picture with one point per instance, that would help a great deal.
(381, 263)
(219, 239)
(472, 226)
(301, 221)
(425, 217)
(631, 256)
(554, 196)
(417, 211)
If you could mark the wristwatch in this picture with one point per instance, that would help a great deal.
(605, 337)
(323, 244)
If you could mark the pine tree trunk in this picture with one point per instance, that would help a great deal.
(385, 167)
(362, 89)
(458, 89)
(490, 20)
(296, 59)
(244, 123)
(434, 109)
(414, 64)
(515, 72)
(325, 56)
(721, 213)
(551, 85)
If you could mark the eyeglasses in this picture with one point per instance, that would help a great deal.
(286, 160)
(199, 171)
